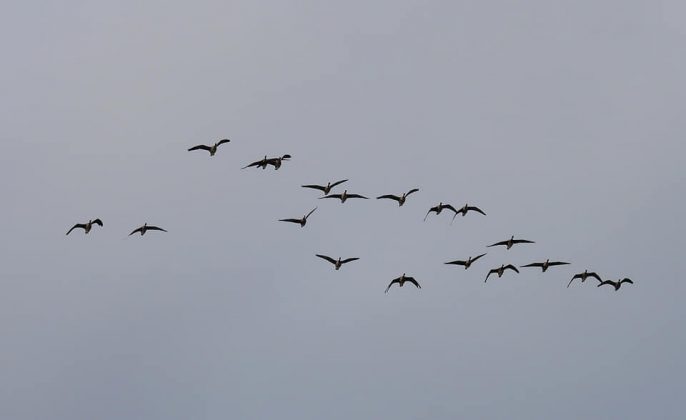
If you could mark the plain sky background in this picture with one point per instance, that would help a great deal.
(563, 120)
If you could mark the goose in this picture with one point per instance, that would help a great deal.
(262, 163)
(466, 263)
(545, 265)
(302, 221)
(277, 161)
(344, 196)
(499, 271)
(401, 281)
(512, 241)
(337, 263)
(86, 226)
(439, 208)
(616, 284)
(212, 149)
(325, 188)
(467, 208)
(583, 276)
(146, 228)
(400, 199)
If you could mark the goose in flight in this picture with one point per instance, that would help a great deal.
(276, 162)
(302, 221)
(146, 228)
(466, 263)
(616, 284)
(512, 241)
(326, 189)
(545, 265)
(86, 226)
(344, 196)
(337, 263)
(439, 208)
(400, 199)
(467, 208)
(212, 149)
(401, 281)
(262, 163)
(499, 271)
(585, 275)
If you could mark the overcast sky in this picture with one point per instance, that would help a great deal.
(562, 120)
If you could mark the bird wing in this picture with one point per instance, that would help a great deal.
(222, 141)
(610, 282)
(448, 206)
(312, 211)
(347, 260)
(357, 196)
(338, 183)
(291, 220)
(494, 270)
(457, 262)
(391, 283)
(78, 225)
(256, 163)
(522, 241)
(413, 190)
(137, 230)
(329, 259)
(155, 228)
(558, 263)
(332, 196)
(626, 280)
(476, 209)
(98, 222)
(390, 196)
(286, 156)
(498, 243)
(576, 276)
(435, 208)
(511, 267)
(413, 281)
(477, 257)
(315, 187)
(595, 275)
(199, 147)
(534, 265)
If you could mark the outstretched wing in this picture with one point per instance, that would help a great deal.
(308, 214)
(391, 283)
(476, 209)
(511, 267)
(477, 257)
(78, 225)
(390, 196)
(413, 190)
(449, 207)
(495, 270)
(98, 222)
(595, 275)
(338, 183)
(140, 229)
(457, 262)
(347, 260)
(610, 282)
(430, 210)
(626, 280)
(298, 221)
(332, 196)
(522, 241)
(576, 276)
(557, 263)
(256, 163)
(357, 196)
(533, 265)
(222, 141)
(498, 243)
(199, 147)
(413, 281)
(315, 187)
(329, 259)
(155, 228)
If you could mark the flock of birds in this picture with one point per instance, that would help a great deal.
(276, 162)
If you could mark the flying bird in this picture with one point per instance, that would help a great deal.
(585, 275)
(262, 163)
(512, 241)
(439, 208)
(467, 208)
(400, 199)
(276, 162)
(337, 263)
(146, 228)
(546, 264)
(325, 188)
(344, 196)
(401, 281)
(302, 221)
(466, 263)
(499, 271)
(86, 226)
(616, 284)
(212, 149)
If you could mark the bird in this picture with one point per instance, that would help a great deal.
(466, 263)
(212, 149)
(439, 208)
(302, 221)
(86, 226)
(510, 242)
(583, 276)
(616, 284)
(344, 196)
(401, 281)
(262, 163)
(467, 208)
(276, 162)
(337, 263)
(499, 271)
(400, 199)
(325, 188)
(545, 265)
(146, 228)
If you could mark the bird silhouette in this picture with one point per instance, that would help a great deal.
(86, 226)
(212, 149)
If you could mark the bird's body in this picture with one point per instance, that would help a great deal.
(500, 270)
(401, 281)
(262, 163)
(439, 208)
(616, 284)
(146, 228)
(585, 275)
(326, 189)
(302, 221)
(86, 226)
(400, 199)
(212, 149)
(466, 263)
(546, 264)
(344, 196)
(276, 162)
(337, 263)
(510, 242)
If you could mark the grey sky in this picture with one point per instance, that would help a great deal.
(562, 120)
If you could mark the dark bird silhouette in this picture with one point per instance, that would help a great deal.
(400, 199)
(302, 221)
(212, 149)
(512, 241)
(583, 276)
(401, 281)
(616, 284)
(146, 228)
(439, 208)
(344, 196)
(466, 263)
(337, 263)
(262, 163)
(86, 226)
(276, 162)
(325, 188)
(467, 208)
(499, 271)
(545, 265)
